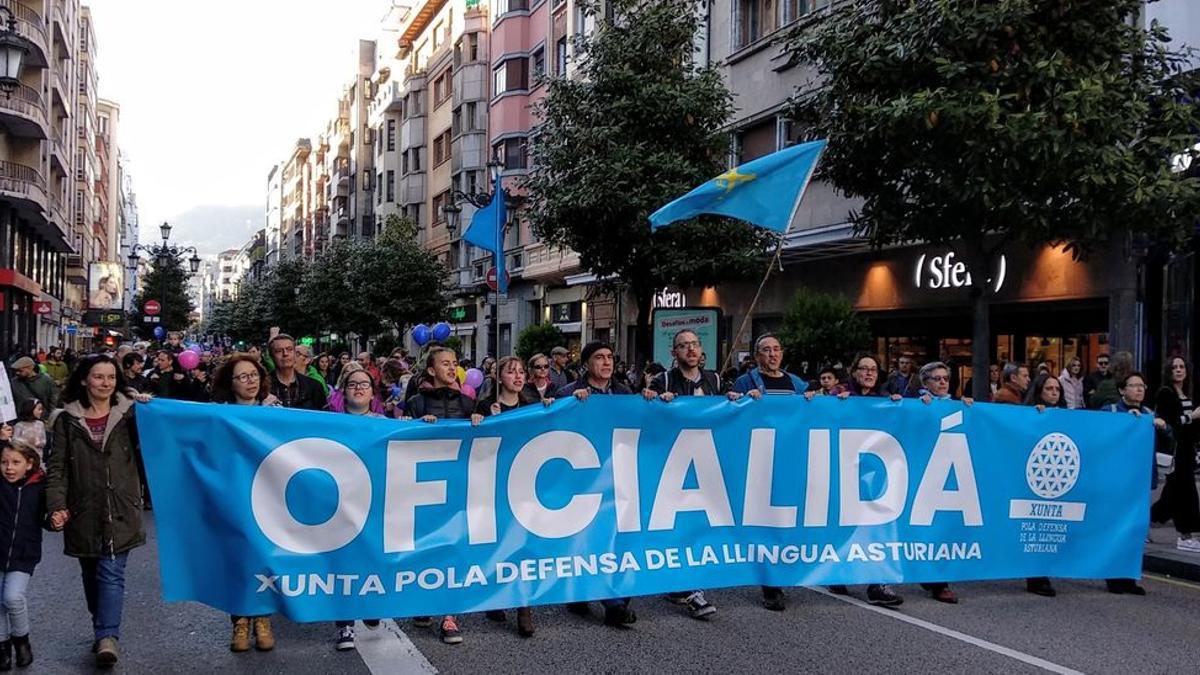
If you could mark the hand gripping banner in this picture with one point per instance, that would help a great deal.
(325, 516)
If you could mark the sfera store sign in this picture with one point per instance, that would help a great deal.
(944, 271)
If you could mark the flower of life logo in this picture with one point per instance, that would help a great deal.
(1053, 466)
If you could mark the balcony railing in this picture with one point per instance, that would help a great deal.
(22, 180)
(29, 26)
(26, 101)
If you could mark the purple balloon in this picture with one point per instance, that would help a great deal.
(189, 359)
(474, 378)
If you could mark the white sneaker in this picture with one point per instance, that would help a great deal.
(1191, 545)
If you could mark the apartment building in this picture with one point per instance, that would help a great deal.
(128, 227)
(274, 214)
(37, 185)
(107, 188)
(295, 232)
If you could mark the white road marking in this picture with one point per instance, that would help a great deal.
(951, 633)
(387, 649)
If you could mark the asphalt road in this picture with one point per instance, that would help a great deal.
(997, 628)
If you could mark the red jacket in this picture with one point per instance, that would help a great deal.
(1008, 393)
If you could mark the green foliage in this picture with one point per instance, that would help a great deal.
(166, 282)
(384, 344)
(823, 329)
(453, 343)
(351, 287)
(643, 124)
(1026, 121)
(539, 338)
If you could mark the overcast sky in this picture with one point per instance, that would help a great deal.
(213, 93)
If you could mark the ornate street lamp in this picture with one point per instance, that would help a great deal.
(162, 252)
(453, 208)
(13, 49)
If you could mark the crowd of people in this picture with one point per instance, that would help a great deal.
(71, 460)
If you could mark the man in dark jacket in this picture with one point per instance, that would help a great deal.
(1094, 378)
(597, 379)
(29, 383)
(291, 388)
(904, 380)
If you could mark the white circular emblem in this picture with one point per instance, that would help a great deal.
(1053, 466)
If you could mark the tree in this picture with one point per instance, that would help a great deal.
(539, 338)
(643, 125)
(401, 282)
(332, 291)
(998, 123)
(823, 329)
(166, 282)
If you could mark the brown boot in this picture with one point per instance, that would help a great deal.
(264, 639)
(525, 622)
(240, 642)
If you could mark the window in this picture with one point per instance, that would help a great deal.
(538, 62)
(391, 186)
(468, 120)
(439, 202)
(511, 151)
(391, 135)
(753, 20)
(441, 148)
(511, 75)
(560, 56)
(404, 163)
(439, 30)
(379, 193)
(505, 6)
(443, 87)
(755, 141)
(472, 47)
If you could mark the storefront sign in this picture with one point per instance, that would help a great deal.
(946, 271)
(704, 321)
(566, 312)
(42, 307)
(668, 298)
(463, 314)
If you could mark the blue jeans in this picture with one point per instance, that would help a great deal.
(104, 588)
(14, 620)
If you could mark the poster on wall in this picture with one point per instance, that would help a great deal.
(703, 321)
(104, 285)
(8, 408)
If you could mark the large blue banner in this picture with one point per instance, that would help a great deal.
(328, 516)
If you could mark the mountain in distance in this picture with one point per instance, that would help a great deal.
(211, 229)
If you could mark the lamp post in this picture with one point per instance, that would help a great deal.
(453, 211)
(160, 253)
(13, 49)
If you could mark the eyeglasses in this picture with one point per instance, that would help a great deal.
(350, 386)
(246, 378)
(541, 366)
(689, 343)
(937, 378)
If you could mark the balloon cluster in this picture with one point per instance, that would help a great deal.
(422, 334)
(471, 380)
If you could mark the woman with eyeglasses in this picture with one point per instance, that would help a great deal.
(864, 381)
(539, 376)
(511, 393)
(1132, 387)
(242, 380)
(1178, 501)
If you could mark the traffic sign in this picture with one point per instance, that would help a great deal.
(152, 307)
(491, 278)
(151, 319)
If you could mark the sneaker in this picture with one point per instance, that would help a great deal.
(345, 639)
(619, 616)
(372, 624)
(451, 635)
(774, 599)
(422, 621)
(1189, 544)
(881, 595)
(839, 589)
(106, 652)
(698, 607)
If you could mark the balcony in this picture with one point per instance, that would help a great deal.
(390, 97)
(31, 27)
(24, 113)
(76, 272)
(59, 159)
(23, 184)
(544, 263)
(58, 89)
(62, 32)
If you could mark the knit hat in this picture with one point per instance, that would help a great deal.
(24, 362)
(592, 348)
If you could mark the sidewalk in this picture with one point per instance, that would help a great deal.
(1161, 556)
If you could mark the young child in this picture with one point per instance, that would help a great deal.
(30, 429)
(22, 514)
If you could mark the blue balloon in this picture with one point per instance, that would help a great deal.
(441, 331)
(160, 332)
(420, 334)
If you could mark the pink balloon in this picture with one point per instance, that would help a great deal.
(189, 359)
(468, 390)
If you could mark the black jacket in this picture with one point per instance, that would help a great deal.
(674, 382)
(23, 509)
(304, 393)
(443, 403)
